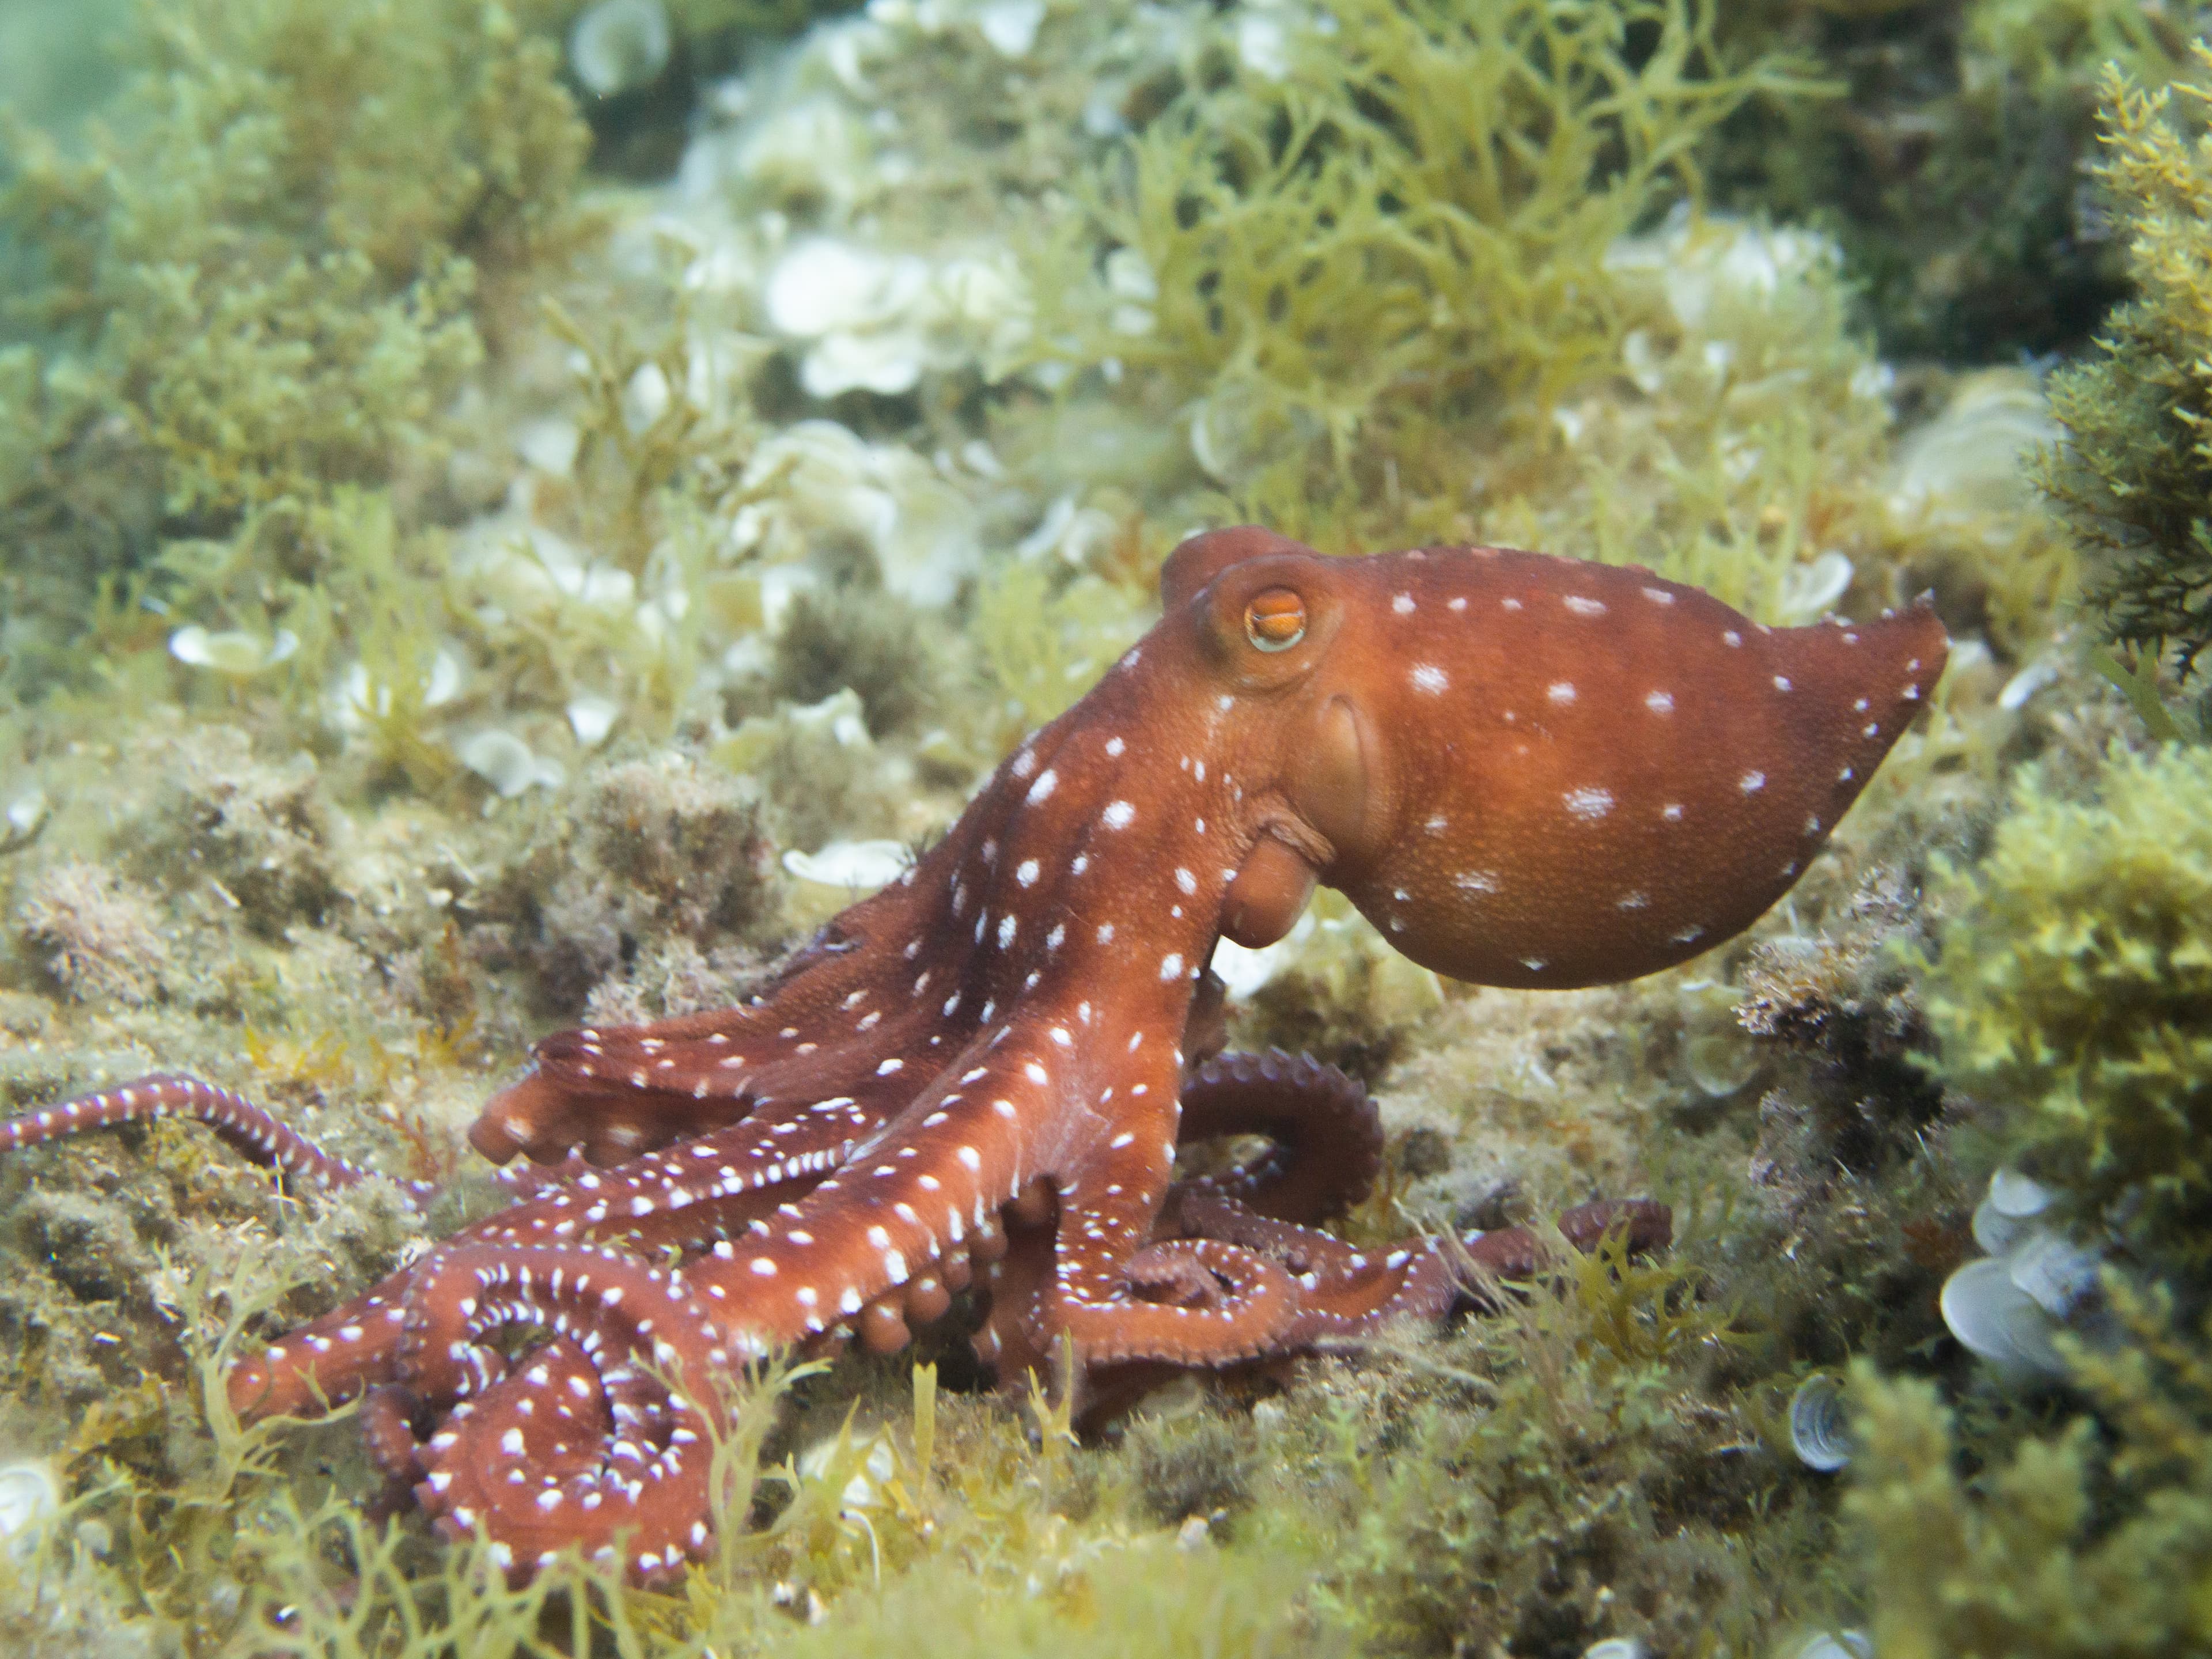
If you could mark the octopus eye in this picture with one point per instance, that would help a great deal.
(1275, 620)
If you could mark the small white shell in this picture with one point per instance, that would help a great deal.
(1720, 1062)
(2059, 1274)
(1011, 26)
(1995, 1231)
(861, 865)
(1616, 1647)
(592, 717)
(2026, 683)
(548, 445)
(29, 1494)
(2001, 1219)
(863, 1489)
(1819, 1431)
(1996, 1321)
(505, 761)
(24, 815)
(1810, 591)
(1834, 1644)
(2012, 1194)
(234, 652)
(618, 45)
(1244, 971)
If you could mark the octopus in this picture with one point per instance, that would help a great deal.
(1525, 771)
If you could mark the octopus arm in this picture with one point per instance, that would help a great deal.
(629, 1384)
(693, 1196)
(326, 1362)
(620, 1091)
(912, 1194)
(1112, 1292)
(1326, 1131)
(614, 1094)
(259, 1135)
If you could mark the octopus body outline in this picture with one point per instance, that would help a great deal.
(1525, 771)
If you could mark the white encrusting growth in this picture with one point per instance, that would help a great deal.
(1428, 678)
(1561, 692)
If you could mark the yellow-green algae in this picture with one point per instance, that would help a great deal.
(2074, 986)
(1330, 272)
(2092, 1537)
(2134, 478)
(292, 880)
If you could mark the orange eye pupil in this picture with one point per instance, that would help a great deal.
(1275, 620)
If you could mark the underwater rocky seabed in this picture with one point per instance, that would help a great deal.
(509, 516)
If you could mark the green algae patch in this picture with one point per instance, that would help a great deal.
(1335, 276)
(2073, 990)
(1573, 1467)
(2089, 1537)
(268, 274)
(2135, 479)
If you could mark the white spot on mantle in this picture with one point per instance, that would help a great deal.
(1588, 804)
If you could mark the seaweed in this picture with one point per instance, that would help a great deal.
(638, 854)
(1339, 276)
(1042, 647)
(2094, 1537)
(2072, 992)
(275, 268)
(874, 641)
(2133, 480)
(1554, 1476)
(96, 932)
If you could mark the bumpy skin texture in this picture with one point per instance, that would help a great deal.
(1527, 771)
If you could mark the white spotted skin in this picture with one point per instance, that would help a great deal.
(1547, 722)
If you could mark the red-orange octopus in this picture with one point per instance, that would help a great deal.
(1525, 771)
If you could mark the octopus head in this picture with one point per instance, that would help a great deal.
(1529, 770)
